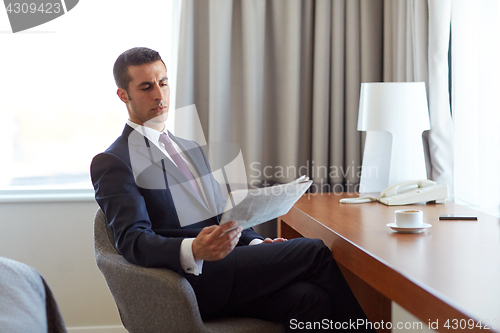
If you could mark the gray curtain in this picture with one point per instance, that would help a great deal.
(281, 78)
(441, 135)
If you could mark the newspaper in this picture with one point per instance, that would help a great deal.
(252, 207)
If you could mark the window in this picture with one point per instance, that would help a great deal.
(58, 97)
(475, 104)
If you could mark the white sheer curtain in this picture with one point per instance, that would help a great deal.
(475, 102)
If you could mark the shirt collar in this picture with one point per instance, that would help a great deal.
(151, 134)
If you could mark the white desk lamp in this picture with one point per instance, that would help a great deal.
(394, 115)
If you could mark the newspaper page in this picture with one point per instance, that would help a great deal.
(252, 207)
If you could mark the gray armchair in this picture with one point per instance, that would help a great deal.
(26, 301)
(157, 299)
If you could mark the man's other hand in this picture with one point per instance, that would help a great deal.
(276, 240)
(215, 242)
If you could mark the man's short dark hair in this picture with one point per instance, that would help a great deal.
(134, 57)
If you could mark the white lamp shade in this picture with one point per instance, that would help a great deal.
(394, 114)
(393, 107)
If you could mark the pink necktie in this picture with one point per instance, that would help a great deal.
(169, 147)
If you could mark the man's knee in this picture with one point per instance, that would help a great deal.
(313, 247)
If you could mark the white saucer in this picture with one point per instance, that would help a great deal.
(409, 230)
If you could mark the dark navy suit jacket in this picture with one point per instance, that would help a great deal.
(150, 208)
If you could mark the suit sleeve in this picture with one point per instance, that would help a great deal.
(127, 216)
(248, 235)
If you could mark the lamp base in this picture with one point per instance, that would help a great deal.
(376, 162)
(389, 160)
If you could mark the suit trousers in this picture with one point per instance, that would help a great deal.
(293, 282)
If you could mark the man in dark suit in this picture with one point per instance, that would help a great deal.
(163, 207)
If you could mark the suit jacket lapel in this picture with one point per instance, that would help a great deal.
(155, 156)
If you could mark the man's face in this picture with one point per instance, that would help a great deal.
(148, 95)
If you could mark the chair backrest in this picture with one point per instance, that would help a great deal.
(103, 238)
(148, 299)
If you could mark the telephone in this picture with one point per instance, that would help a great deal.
(406, 193)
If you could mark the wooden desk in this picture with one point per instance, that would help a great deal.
(451, 272)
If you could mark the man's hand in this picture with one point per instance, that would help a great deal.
(214, 243)
(276, 240)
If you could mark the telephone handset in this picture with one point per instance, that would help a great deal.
(405, 193)
(408, 185)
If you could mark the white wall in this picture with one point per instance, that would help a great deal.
(56, 238)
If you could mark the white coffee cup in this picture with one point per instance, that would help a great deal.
(409, 218)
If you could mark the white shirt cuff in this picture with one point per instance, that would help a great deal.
(255, 241)
(188, 263)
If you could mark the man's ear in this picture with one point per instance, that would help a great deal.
(122, 94)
